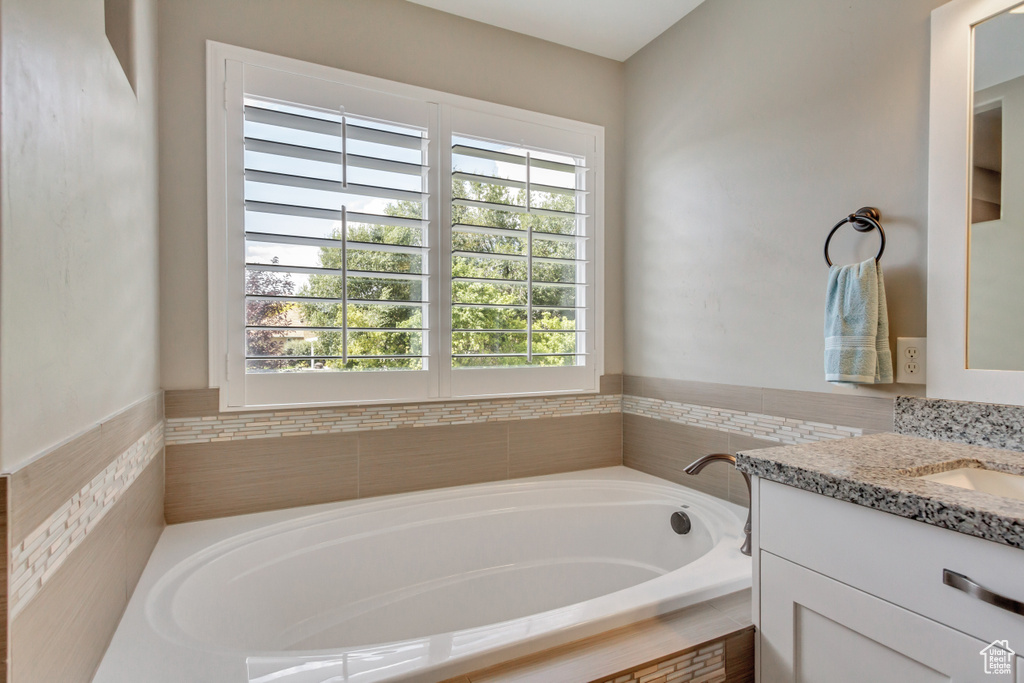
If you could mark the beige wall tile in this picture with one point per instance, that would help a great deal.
(238, 477)
(144, 519)
(611, 384)
(397, 460)
(747, 399)
(191, 403)
(44, 485)
(235, 477)
(564, 444)
(869, 412)
(62, 634)
(664, 448)
(632, 385)
(128, 426)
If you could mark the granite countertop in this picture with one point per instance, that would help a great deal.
(879, 471)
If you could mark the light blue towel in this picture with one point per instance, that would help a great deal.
(857, 326)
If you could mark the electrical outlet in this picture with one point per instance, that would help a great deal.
(910, 360)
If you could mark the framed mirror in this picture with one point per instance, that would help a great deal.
(976, 202)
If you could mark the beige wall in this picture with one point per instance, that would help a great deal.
(752, 127)
(78, 197)
(390, 39)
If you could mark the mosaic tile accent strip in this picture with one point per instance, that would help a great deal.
(262, 425)
(706, 665)
(976, 424)
(37, 558)
(781, 429)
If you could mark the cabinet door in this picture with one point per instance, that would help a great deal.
(817, 630)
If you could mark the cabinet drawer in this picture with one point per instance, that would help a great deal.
(894, 558)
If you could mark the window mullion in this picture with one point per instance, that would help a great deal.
(441, 168)
(344, 285)
(529, 269)
(344, 243)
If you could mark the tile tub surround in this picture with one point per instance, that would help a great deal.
(668, 424)
(223, 464)
(35, 560)
(979, 424)
(880, 471)
(84, 519)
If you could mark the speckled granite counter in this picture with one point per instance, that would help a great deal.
(879, 471)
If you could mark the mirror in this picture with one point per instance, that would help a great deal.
(995, 300)
(973, 345)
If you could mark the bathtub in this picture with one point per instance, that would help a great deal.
(421, 586)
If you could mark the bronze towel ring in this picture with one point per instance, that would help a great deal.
(864, 220)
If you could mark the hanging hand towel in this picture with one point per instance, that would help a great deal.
(857, 326)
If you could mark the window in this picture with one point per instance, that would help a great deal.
(371, 241)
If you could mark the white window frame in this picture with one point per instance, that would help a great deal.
(240, 391)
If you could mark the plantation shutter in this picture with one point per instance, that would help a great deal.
(335, 234)
(522, 258)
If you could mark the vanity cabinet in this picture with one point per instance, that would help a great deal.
(845, 593)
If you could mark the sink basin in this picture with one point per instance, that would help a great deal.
(988, 481)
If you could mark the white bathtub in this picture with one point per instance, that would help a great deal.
(422, 586)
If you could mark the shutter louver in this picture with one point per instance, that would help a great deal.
(336, 266)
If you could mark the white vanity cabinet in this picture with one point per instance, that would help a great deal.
(848, 594)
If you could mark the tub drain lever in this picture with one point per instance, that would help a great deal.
(697, 465)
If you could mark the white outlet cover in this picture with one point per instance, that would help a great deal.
(909, 366)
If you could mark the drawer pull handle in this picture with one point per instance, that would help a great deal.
(962, 583)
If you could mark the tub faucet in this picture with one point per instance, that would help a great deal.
(697, 465)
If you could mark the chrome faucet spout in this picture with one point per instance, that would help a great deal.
(697, 465)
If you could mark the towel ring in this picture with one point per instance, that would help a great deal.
(864, 220)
